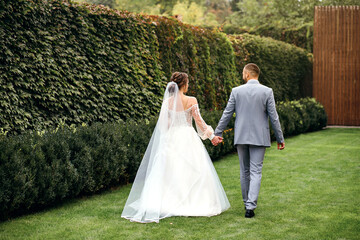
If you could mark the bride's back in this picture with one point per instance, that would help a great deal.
(188, 102)
(181, 114)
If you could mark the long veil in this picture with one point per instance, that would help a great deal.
(144, 201)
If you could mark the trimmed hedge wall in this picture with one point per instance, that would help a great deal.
(65, 62)
(206, 55)
(40, 170)
(85, 64)
(301, 36)
(285, 68)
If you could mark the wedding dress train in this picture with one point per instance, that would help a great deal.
(176, 176)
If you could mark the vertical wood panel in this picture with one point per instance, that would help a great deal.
(336, 73)
(357, 79)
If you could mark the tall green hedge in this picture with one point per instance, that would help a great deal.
(285, 68)
(301, 36)
(84, 64)
(40, 170)
(65, 62)
(61, 62)
(206, 55)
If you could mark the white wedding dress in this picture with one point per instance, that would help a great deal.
(176, 176)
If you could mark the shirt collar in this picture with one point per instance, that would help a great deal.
(253, 81)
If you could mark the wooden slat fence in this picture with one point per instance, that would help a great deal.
(336, 73)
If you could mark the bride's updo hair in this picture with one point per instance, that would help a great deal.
(180, 78)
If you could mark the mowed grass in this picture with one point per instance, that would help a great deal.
(309, 191)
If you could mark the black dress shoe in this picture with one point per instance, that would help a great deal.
(249, 213)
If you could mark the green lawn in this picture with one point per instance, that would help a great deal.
(309, 191)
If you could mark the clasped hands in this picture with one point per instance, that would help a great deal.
(216, 140)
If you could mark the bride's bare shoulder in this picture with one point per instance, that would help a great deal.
(192, 100)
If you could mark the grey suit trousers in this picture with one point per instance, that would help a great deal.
(251, 159)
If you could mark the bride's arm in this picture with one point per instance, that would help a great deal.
(204, 131)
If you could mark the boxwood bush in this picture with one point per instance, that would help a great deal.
(301, 116)
(38, 170)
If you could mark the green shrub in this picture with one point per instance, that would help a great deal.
(301, 116)
(38, 170)
(284, 67)
(41, 170)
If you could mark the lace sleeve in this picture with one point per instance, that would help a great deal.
(204, 131)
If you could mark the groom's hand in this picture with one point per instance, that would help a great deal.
(281, 146)
(216, 140)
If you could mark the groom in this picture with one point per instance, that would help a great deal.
(253, 104)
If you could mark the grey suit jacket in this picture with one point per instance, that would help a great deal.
(253, 104)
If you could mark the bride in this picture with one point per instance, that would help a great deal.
(176, 176)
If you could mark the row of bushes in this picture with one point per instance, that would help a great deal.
(65, 62)
(40, 170)
(300, 116)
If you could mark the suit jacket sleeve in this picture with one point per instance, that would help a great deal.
(226, 116)
(274, 118)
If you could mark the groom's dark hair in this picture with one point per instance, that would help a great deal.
(253, 69)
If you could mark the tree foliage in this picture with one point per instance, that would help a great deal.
(191, 13)
(139, 6)
(279, 13)
(286, 20)
(290, 21)
(244, 13)
(109, 3)
(194, 14)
